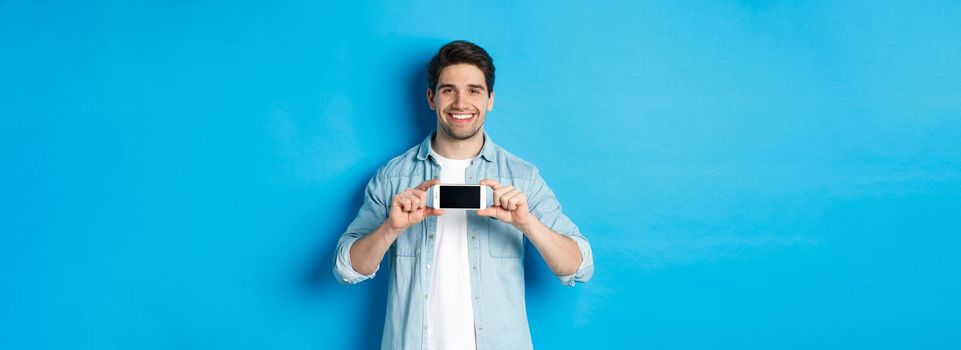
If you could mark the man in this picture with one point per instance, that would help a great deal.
(457, 277)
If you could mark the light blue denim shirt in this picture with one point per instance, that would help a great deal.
(495, 249)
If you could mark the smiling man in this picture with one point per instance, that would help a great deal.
(457, 277)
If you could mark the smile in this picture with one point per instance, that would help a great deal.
(460, 117)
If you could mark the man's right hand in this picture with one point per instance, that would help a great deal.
(409, 207)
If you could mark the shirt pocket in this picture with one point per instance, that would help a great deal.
(503, 240)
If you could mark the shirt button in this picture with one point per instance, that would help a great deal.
(430, 237)
(473, 237)
(428, 266)
(474, 267)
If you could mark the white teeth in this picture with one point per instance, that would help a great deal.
(462, 116)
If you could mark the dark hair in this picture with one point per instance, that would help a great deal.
(461, 51)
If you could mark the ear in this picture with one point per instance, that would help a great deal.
(430, 99)
(490, 102)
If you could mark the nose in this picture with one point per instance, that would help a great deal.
(457, 103)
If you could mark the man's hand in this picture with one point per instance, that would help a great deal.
(510, 206)
(407, 208)
(410, 207)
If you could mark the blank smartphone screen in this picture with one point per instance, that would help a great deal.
(460, 197)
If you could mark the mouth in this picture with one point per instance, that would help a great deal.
(460, 117)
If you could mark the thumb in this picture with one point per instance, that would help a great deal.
(433, 211)
(492, 212)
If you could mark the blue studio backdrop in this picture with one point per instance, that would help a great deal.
(751, 174)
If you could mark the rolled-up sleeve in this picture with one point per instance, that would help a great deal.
(371, 214)
(547, 209)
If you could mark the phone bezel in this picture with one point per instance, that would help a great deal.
(436, 196)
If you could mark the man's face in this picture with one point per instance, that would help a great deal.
(461, 101)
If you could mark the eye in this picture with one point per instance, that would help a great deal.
(474, 91)
(447, 90)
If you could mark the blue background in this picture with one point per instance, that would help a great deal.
(751, 174)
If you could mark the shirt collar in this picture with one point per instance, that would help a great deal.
(487, 151)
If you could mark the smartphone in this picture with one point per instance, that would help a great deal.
(464, 197)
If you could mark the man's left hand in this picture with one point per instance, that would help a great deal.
(509, 205)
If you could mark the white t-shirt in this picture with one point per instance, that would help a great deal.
(450, 319)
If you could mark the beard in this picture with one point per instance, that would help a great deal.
(460, 134)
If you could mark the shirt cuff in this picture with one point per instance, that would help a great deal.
(585, 270)
(344, 271)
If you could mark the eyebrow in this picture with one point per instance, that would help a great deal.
(475, 86)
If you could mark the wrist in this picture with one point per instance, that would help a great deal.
(529, 227)
(388, 233)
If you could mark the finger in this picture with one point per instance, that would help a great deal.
(498, 194)
(399, 204)
(513, 200)
(521, 200)
(498, 214)
(399, 200)
(489, 212)
(415, 200)
(491, 183)
(395, 203)
(506, 200)
(427, 184)
(433, 212)
(407, 201)
(504, 197)
(421, 197)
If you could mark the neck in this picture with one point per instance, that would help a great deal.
(451, 148)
